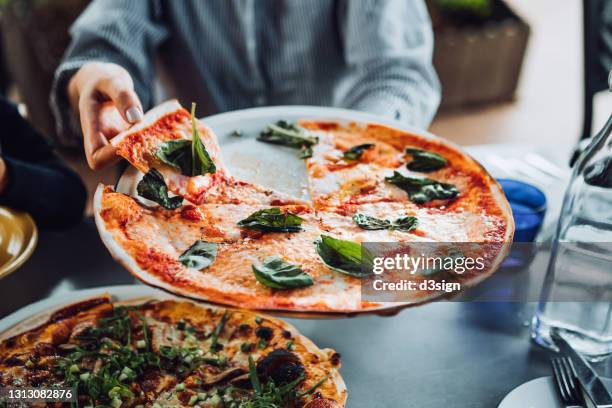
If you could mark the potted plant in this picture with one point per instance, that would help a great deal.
(479, 50)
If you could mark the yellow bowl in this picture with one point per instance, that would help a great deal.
(18, 238)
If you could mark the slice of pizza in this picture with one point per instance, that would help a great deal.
(181, 155)
(165, 352)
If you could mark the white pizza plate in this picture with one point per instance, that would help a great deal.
(537, 393)
(41, 310)
(269, 165)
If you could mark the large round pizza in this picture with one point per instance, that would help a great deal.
(195, 230)
(165, 353)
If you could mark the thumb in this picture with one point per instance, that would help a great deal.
(120, 89)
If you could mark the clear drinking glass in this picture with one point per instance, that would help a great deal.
(577, 293)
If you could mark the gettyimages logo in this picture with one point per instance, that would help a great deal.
(413, 272)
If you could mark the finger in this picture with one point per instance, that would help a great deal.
(120, 89)
(98, 151)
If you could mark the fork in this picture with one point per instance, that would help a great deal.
(566, 383)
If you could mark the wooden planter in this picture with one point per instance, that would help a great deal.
(480, 64)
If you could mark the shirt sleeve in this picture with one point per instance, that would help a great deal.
(388, 46)
(126, 33)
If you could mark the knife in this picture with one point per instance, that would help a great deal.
(592, 386)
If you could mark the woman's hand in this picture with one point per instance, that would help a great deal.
(103, 96)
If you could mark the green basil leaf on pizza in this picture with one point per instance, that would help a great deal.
(355, 152)
(272, 220)
(199, 255)
(289, 134)
(424, 161)
(201, 161)
(176, 153)
(154, 188)
(344, 256)
(367, 222)
(275, 273)
(422, 189)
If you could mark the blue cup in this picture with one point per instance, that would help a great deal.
(528, 204)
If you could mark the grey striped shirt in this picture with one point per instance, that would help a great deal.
(371, 55)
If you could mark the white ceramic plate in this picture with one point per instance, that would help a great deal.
(537, 393)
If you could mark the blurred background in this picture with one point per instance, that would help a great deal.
(512, 71)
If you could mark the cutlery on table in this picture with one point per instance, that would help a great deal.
(593, 388)
(566, 383)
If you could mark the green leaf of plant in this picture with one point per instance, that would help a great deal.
(343, 256)
(200, 255)
(405, 224)
(201, 161)
(272, 220)
(424, 161)
(422, 189)
(278, 274)
(176, 153)
(368, 222)
(153, 187)
(289, 134)
(355, 152)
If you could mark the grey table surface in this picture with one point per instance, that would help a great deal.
(446, 354)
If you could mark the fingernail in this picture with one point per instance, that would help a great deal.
(134, 114)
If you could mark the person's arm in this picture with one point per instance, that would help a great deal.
(109, 61)
(388, 46)
(33, 178)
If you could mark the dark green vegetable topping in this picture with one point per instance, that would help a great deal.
(344, 256)
(421, 189)
(153, 187)
(189, 156)
(355, 152)
(278, 274)
(272, 220)
(425, 161)
(289, 134)
(200, 255)
(367, 222)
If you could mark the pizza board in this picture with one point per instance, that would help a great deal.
(280, 168)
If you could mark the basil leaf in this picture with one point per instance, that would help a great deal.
(200, 255)
(288, 134)
(201, 161)
(306, 152)
(368, 222)
(153, 187)
(343, 256)
(425, 161)
(272, 220)
(422, 189)
(176, 153)
(355, 152)
(407, 223)
(278, 274)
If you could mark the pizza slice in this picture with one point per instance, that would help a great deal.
(165, 352)
(180, 154)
